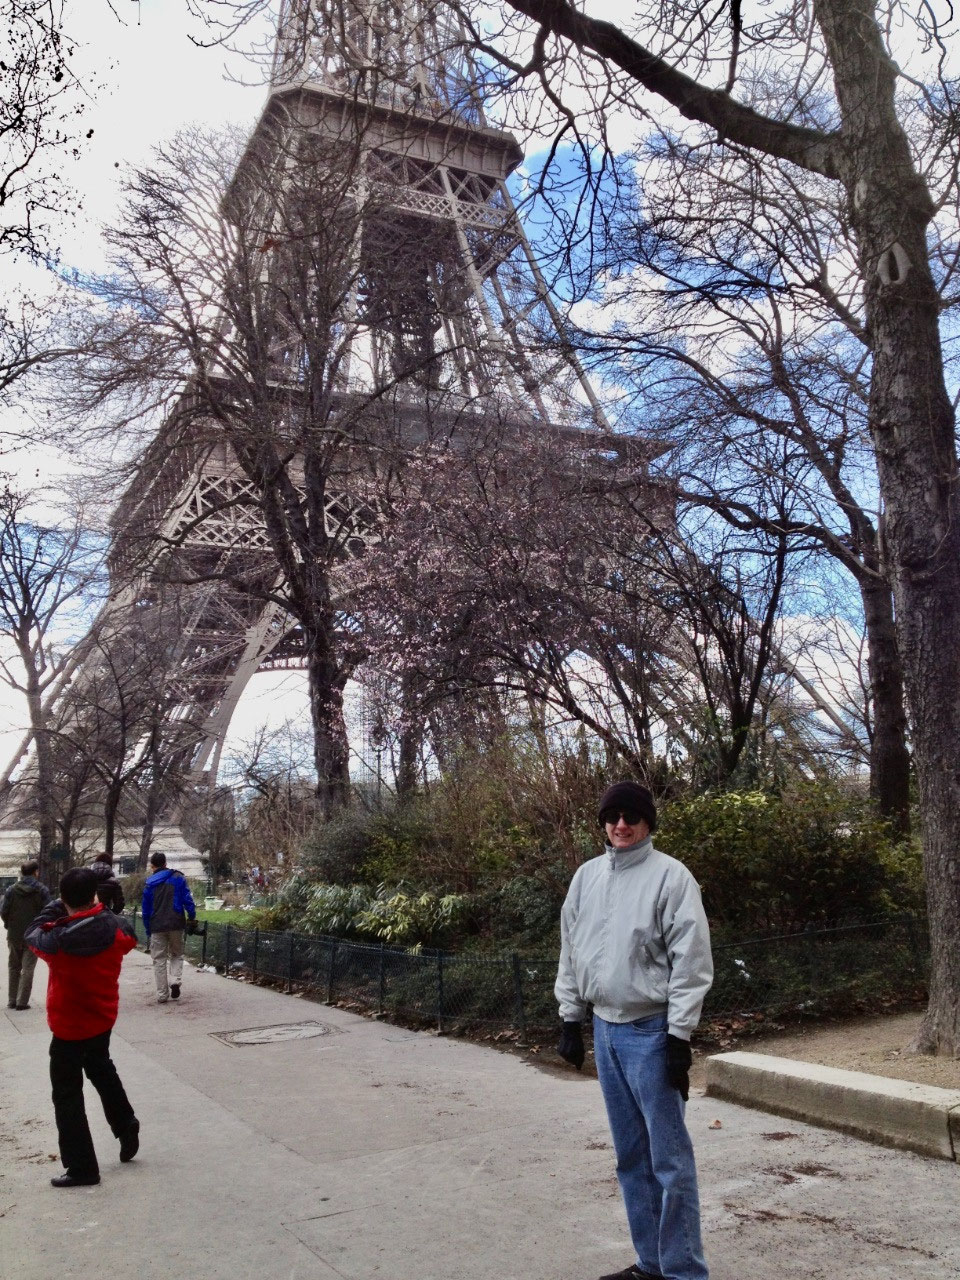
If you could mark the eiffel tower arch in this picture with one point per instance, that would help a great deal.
(443, 321)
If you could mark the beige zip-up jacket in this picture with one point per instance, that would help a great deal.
(634, 940)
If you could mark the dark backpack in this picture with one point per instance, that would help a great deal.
(111, 895)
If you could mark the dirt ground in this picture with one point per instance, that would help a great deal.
(876, 1045)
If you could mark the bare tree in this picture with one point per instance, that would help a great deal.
(834, 104)
(737, 332)
(118, 749)
(39, 107)
(276, 808)
(530, 571)
(42, 104)
(49, 578)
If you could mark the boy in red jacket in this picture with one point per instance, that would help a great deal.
(84, 945)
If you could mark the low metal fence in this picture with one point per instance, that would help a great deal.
(813, 971)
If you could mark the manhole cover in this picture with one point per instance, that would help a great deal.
(274, 1035)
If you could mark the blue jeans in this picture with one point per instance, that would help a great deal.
(655, 1166)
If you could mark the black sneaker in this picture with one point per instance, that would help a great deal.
(174, 990)
(632, 1273)
(130, 1142)
(75, 1180)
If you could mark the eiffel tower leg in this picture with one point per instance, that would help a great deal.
(262, 638)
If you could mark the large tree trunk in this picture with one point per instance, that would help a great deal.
(149, 822)
(408, 762)
(43, 791)
(111, 806)
(912, 425)
(331, 751)
(412, 731)
(889, 756)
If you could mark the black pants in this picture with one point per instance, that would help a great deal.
(69, 1059)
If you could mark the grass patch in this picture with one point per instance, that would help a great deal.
(229, 915)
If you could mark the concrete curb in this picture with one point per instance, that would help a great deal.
(895, 1113)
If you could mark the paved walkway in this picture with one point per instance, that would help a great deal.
(377, 1152)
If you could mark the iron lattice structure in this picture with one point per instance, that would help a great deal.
(447, 310)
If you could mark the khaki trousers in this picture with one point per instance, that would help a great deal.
(166, 952)
(21, 963)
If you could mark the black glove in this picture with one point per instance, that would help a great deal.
(570, 1046)
(679, 1060)
(192, 927)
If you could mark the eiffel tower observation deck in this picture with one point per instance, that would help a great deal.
(439, 321)
(444, 252)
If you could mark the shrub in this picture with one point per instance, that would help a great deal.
(774, 863)
(333, 909)
(403, 846)
(132, 886)
(403, 919)
(395, 915)
(492, 814)
(336, 850)
(522, 913)
(289, 906)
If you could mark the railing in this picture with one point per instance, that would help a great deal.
(816, 971)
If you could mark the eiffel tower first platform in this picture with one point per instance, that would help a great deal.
(446, 282)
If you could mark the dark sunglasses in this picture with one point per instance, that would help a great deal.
(630, 816)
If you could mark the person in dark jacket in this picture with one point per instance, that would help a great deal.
(109, 889)
(83, 944)
(166, 907)
(22, 902)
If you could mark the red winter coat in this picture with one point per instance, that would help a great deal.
(84, 953)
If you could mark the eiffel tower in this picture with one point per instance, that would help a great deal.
(448, 307)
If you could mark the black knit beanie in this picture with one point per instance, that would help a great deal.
(629, 795)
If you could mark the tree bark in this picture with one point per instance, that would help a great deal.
(154, 804)
(889, 755)
(912, 426)
(412, 728)
(408, 763)
(111, 807)
(331, 751)
(46, 813)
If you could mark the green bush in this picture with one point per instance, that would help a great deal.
(492, 814)
(403, 919)
(403, 845)
(334, 909)
(132, 887)
(774, 863)
(397, 916)
(288, 907)
(335, 851)
(502, 830)
(522, 914)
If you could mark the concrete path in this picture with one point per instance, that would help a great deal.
(376, 1152)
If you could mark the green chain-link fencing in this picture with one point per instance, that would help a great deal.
(816, 971)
